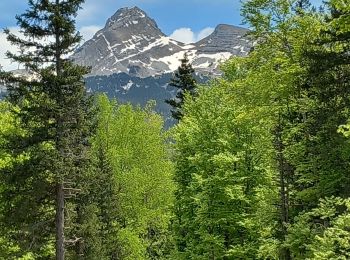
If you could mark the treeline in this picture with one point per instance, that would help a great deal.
(258, 166)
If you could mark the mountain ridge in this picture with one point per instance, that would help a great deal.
(131, 42)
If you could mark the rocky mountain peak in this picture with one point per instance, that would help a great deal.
(130, 17)
(226, 38)
(226, 27)
(128, 11)
(126, 35)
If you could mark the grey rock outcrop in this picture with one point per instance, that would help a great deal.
(226, 38)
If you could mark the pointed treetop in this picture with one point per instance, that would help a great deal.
(184, 81)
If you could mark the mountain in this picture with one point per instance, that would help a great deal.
(132, 43)
(226, 38)
(132, 60)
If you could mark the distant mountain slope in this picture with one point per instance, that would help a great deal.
(136, 90)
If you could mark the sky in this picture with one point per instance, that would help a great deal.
(183, 20)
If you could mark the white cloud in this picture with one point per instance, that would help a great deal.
(186, 35)
(204, 33)
(6, 46)
(89, 31)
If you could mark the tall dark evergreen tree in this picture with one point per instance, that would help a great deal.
(184, 81)
(50, 155)
(322, 166)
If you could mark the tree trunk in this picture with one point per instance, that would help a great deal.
(60, 189)
(283, 188)
(60, 223)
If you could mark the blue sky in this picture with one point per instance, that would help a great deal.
(184, 20)
(170, 15)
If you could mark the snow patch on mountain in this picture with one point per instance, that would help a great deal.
(127, 86)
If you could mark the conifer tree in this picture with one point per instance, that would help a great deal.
(322, 165)
(184, 81)
(49, 157)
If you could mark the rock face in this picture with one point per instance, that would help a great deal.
(225, 38)
(132, 43)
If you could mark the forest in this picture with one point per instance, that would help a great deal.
(256, 167)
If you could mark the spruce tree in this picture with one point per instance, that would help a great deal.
(184, 81)
(52, 108)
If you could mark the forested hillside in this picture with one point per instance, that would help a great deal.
(257, 166)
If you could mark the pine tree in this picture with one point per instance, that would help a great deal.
(184, 81)
(50, 156)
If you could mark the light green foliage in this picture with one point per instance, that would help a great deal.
(134, 179)
(268, 80)
(320, 154)
(342, 23)
(9, 126)
(345, 130)
(323, 233)
(225, 155)
(221, 175)
(260, 127)
(262, 155)
(301, 62)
